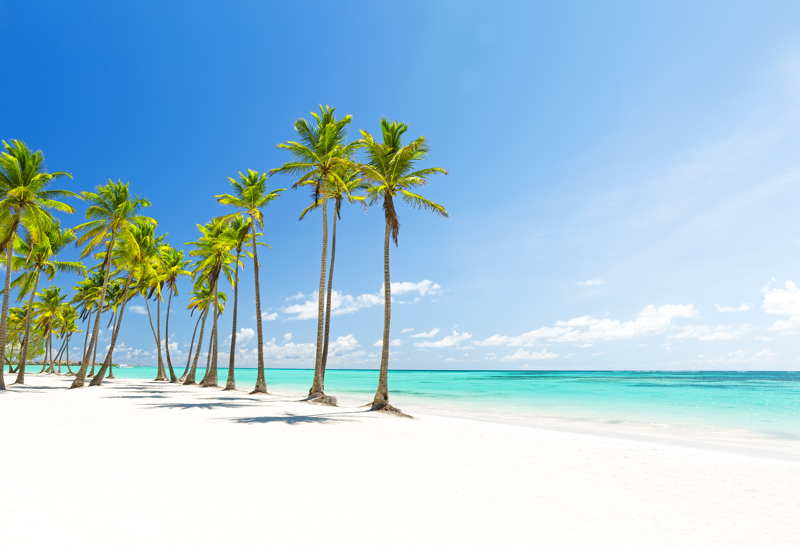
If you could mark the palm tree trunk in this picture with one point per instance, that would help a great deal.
(191, 348)
(328, 302)
(210, 377)
(81, 375)
(69, 369)
(172, 378)
(381, 400)
(108, 362)
(160, 373)
(261, 382)
(45, 367)
(316, 386)
(4, 314)
(230, 384)
(190, 377)
(28, 316)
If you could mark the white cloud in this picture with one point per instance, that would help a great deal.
(731, 309)
(592, 282)
(586, 329)
(522, 354)
(456, 338)
(342, 304)
(786, 302)
(269, 316)
(138, 309)
(740, 357)
(406, 330)
(711, 333)
(430, 334)
(245, 334)
(392, 343)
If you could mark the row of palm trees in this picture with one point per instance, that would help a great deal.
(133, 260)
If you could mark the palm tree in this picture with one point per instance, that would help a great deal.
(67, 327)
(172, 264)
(203, 299)
(213, 253)
(48, 318)
(319, 153)
(341, 184)
(111, 211)
(25, 202)
(36, 258)
(239, 232)
(250, 194)
(391, 171)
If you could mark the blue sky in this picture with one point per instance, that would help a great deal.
(623, 180)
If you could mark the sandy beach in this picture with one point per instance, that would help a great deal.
(138, 462)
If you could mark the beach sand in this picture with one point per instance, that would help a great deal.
(138, 462)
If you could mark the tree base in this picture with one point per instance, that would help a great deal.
(259, 391)
(321, 398)
(386, 407)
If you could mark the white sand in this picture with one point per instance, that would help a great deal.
(137, 462)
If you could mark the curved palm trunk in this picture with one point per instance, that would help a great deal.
(381, 400)
(69, 369)
(316, 389)
(108, 362)
(160, 373)
(190, 377)
(261, 382)
(89, 354)
(210, 377)
(230, 384)
(328, 302)
(191, 349)
(172, 377)
(24, 351)
(4, 315)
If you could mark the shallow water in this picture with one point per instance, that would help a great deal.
(765, 403)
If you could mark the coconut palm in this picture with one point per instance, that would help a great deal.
(213, 253)
(203, 299)
(112, 209)
(172, 265)
(339, 186)
(391, 169)
(319, 153)
(250, 194)
(239, 233)
(33, 259)
(25, 202)
(48, 311)
(67, 327)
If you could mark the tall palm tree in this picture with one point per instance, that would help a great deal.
(340, 186)
(391, 169)
(213, 253)
(250, 194)
(112, 209)
(203, 300)
(35, 258)
(67, 327)
(172, 264)
(319, 153)
(239, 232)
(26, 202)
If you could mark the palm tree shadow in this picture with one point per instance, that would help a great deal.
(288, 418)
(138, 396)
(196, 405)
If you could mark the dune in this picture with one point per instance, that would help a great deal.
(137, 462)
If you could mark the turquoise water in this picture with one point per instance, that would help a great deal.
(762, 402)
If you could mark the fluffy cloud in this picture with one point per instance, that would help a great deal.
(342, 304)
(244, 335)
(731, 309)
(456, 338)
(711, 333)
(427, 335)
(406, 330)
(592, 282)
(522, 354)
(269, 316)
(138, 309)
(392, 343)
(786, 302)
(586, 329)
